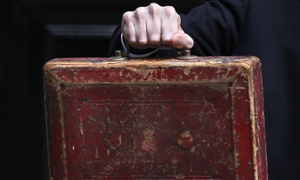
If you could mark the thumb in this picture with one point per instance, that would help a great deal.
(182, 40)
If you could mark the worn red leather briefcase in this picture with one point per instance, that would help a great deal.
(155, 118)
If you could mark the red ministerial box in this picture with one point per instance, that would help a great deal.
(155, 118)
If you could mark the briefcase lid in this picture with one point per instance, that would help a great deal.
(155, 118)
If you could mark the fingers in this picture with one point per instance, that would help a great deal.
(128, 27)
(170, 24)
(154, 26)
(140, 25)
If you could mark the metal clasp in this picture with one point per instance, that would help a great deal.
(185, 55)
(118, 56)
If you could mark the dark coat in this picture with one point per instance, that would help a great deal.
(270, 30)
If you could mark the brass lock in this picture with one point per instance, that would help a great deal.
(118, 56)
(185, 55)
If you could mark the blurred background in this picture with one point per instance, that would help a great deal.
(31, 33)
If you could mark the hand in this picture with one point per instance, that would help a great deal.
(154, 26)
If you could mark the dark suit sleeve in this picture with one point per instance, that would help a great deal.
(214, 25)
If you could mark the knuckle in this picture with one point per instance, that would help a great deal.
(127, 16)
(169, 10)
(139, 14)
(154, 41)
(166, 40)
(142, 42)
(154, 38)
(139, 11)
(153, 7)
(153, 4)
(131, 40)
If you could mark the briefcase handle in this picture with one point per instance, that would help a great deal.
(182, 54)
